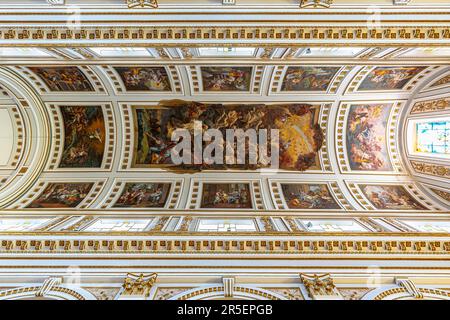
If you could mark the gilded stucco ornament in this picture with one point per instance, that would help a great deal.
(320, 286)
(431, 105)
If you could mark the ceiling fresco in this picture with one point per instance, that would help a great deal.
(61, 195)
(390, 197)
(226, 78)
(99, 102)
(84, 136)
(144, 79)
(63, 78)
(143, 195)
(308, 196)
(389, 78)
(108, 128)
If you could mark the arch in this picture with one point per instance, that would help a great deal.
(36, 130)
(217, 292)
(56, 293)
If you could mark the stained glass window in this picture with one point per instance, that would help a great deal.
(433, 137)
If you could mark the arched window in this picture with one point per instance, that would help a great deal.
(433, 137)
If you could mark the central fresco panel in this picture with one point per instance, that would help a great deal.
(300, 136)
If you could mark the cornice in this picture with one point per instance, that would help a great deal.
(241, 35)
(276, 248)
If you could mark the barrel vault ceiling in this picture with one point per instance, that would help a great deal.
(333, 80)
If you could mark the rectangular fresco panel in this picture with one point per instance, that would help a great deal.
(366, 137)
(84, 141)
(308, 78)
(389, 78)
(300, 136)
(226, 195)
(390, 197)
(62, 195)
(308, 196)
(226, 78)
(144, 78)
(63, 78)
(143, 195)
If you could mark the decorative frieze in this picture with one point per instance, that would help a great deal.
(363, 34)
(225, 246)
